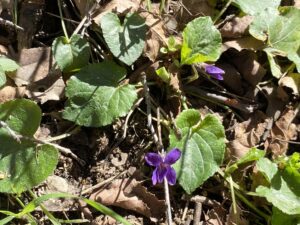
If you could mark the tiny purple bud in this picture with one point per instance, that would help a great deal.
(215, 72)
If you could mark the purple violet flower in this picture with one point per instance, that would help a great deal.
(215, 72)
(163, 166)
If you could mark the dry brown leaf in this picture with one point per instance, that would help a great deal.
(10, 92)
(187, 10)
(247, 135)
(34, 73)
(242, 43)
(282, 132)
(130, 194)
(34, 65)
(236, 218)
(55, 184)
(291, 81)
(83, 5)
(119, 7)
(215, 216)
(3, 50)
(6, 4)
(174, 99)
(246, 63)
(156, 35)
(50, 88)
(236, 27)
(232, 78)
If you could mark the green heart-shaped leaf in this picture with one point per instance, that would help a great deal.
(281, 30)
(202, 144)
(23, 165)
(71, 54)
(126, 41)
(95, 99)
(6, 65)
(201, 42)
(253, 7)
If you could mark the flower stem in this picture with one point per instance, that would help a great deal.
(168, 203)
(62, 21)
(223, 10)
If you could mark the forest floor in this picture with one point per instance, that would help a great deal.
(257, 105)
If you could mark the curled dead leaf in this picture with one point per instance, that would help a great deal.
(292, 82)
(236, 27)
(130, 194)
(236, 218)
(246, 63)
(156, 35)
(232, 78)
(42, 83)
(242, 43)
(282, 131)
(120, 7)
(247, 134)
(187, 10)
(10, 92)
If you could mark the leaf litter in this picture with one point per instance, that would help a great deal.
(274, 126)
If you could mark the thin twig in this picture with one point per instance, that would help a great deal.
(10, 24)
(19, 137)
(235, 103)
(197, 213)
(97, 186)
(10, 131)
(223, 10)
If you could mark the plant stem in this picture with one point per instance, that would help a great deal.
(62, 20)
(242, 198)
(222, 11)
(48, 214)
(251, 206)
(30, 217)
(168, 203)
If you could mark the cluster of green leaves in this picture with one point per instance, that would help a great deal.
(278, 27)
(280, 186)
(23, 163)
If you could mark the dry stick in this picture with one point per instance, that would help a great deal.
(197, 213)
(63, 150)
(150, 126)
(10, 24)
(90, 189)
(235, 103)
(86, 17)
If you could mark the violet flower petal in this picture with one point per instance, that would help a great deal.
(172, 156)
(171, 176)
(215, 71)
(161, 172)
(153, 159)
(154, 176)
(217, 76)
